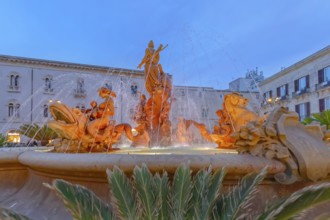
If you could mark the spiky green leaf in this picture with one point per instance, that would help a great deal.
(122, 194)
(240, 196)
(145, 189)
(82, 203)
(299, 201)
(181, 192)
(163, 190)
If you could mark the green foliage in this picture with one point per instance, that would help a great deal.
(6, 214)
(82, 203)
(147, 196)
(298, 202)
(34, 131)
(323, 118)
(240, 196)
(2, 140)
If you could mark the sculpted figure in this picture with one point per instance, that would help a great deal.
(89, 131)
(153, 71)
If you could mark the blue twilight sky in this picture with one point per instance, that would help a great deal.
(210, 42)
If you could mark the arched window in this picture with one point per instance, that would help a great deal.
(80, 85)
(17, 106)
(13, 109)
(134, 89)
(10, 109)
(46, 110)
(12, 80)
(16, 81)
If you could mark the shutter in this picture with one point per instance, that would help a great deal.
(307, 81)
(296, 85)
(321, 105)
(308, 109)
(321, 75)
(271, 94)
(287, 89)
(278, 92)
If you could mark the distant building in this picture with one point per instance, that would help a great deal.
(303, 87)
(249, 83)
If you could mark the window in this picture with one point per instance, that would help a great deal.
(14, 79)
(13, 109)
(324, 104)
(268, 96)
(204, 112)
(134, 89)
(108, 85)
(80, 86)
(48, 83)
(324, 75)
(282, 91)
(301, 84)
(131, 113)
(80, 90)
(303, 110)
(81, 107)
(46, 110)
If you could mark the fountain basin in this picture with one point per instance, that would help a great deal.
(24, 173)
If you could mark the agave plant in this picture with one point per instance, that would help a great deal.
(148, 196)
(323, 118)
(43, 134)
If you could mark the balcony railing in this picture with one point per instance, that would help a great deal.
(322, 85)
(48, 90)
(300, 92)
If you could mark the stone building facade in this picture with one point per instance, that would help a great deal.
(303, 87)
(28, 86)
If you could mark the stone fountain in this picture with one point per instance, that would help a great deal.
(295, 155)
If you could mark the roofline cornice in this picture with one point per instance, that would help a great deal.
(67, 65)
(297, 65)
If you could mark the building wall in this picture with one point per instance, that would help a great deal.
(308, 66)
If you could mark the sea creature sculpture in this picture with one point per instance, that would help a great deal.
(90, 130)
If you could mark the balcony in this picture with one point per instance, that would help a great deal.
(81, 93)
(13, 88)
(322, 85)
(300, 92)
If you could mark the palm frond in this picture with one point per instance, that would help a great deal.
(198, 202)
(181, 192)
(299, 201)
(82, 203)
(240, 196)
(36, 132)
(145, 189)
(162, 189)
(122, 194)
